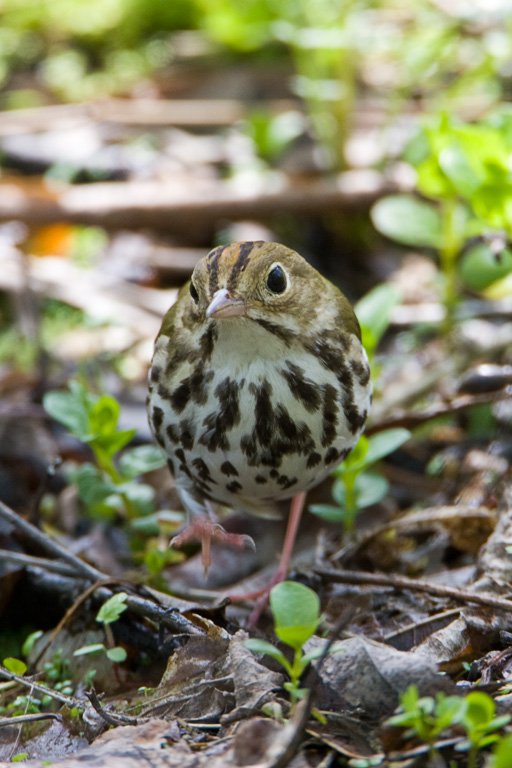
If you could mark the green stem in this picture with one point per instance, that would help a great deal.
(472, 756)
(107, 465)
(349, 480)
(295, 673)
(448, 256)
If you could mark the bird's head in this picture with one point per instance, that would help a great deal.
(265, 281)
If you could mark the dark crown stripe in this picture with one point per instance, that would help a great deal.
(243, 253)
(212, 266)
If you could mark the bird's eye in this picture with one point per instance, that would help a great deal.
(193, 292)
(276, 280)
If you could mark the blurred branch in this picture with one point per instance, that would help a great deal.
(172, 207)
(143, 112)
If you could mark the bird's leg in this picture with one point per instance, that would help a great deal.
(296, 509)
(206, 530)
(261, 596)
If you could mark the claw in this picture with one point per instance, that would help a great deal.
(206, 531)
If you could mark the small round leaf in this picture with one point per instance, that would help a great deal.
(117, 654)
(16, 666)
(408, 220)
(296, 612)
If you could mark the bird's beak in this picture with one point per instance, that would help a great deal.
(224, 304)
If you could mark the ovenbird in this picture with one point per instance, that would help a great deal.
(259, 385)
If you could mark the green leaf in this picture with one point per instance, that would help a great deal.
(144, 458)
(384, 443)
(29, 642)
(107, 445)
(409, 221)
(66, 408)
(155, 560)
(104, 415)
(140, 496)
(455, 165)
(501, 753)
(19, 757)
(112, 609)
(501, 289)
(480, 266)
(410, 698)
(374, 310)
(370, 488)
(86, 649)
(117, 654)
(92, 485)
(449, 711)
(297, 693)
(317, 652)
(16, 666)
(296, 609)
(328, 512)
(356, 459)
(499, 722)
(480, 709)
(262, 646)
(402, 719)
(156, 522)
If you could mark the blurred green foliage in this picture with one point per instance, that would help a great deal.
(402, 49)
(85, 48)
(21, 347)
(463, 174)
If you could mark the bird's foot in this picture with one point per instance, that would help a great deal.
(206, 531)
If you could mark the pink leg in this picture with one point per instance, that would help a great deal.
(261, 596)
(205, 530)
(296, 509)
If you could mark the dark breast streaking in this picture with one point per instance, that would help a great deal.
(259, 384)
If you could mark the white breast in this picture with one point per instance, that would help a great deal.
(271, 419)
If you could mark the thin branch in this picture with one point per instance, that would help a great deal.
(28, 682)
(112, 718)
(21, 719)
(403, 582)
(81, 568)
(411, 419)
(415, 626)
(151, 203)
(20, 558)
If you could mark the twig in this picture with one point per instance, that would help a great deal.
(153, 203)
(20, 558)
(402, 582)
(81, 568)
(28, 682)
(444, 617)
(20, 719)
(135, 112)
(411, 419)
(112, 718)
